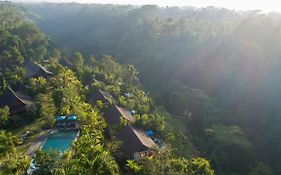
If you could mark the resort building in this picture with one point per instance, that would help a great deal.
(33, 70)
(114, 115)
(18, 103)
(136, 143)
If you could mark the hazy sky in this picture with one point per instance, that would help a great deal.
(265, 5)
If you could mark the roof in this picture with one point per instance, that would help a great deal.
(67, 64)
(98, 94)
(134, 140)
(19, 87)
(15, 101)
(113, 113)
(125, 113)
(33, 69)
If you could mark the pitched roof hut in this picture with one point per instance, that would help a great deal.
(15, 101)
(114, 113)
(134, 140)
(33, 70)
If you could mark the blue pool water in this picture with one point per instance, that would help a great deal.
(60, 140)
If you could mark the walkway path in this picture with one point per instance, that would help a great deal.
(35, 145)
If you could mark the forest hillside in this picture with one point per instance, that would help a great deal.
(212, 76)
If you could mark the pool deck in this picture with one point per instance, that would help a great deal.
(35, 145)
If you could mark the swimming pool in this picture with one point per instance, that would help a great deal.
(59, 140)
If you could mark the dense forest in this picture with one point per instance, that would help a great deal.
(216, 71)
(39, 81)
(206, 80)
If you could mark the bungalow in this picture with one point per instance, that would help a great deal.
(114, 114)
(18, 103)
(33, 70)
(100, 95)
(136, 143)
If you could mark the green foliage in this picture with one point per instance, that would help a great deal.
(138, 100)
(92, 60)
(154, 120)
(14, 164)
(37, 85)
(260, 168)
(66, 92)
(206, 66)
(63, 94)
(33, 41)
(229, 135)
(15, 17)
(11, 57)
(7, 143)
(162, 163)
(47, 108)
(90, 155)
(78, 60)
(48, 163)
(4, 115)
(228, 139)
(20, 39)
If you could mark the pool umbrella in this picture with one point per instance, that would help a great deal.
(72, 117)
(60, 118)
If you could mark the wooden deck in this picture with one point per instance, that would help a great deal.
(35, 145)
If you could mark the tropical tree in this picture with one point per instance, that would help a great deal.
(164, 163)
(260, 168)
(4, 115)
(78, 60)
(90, 155)
(228, 139)
(14, 164)
(7, 143)
(48, 163)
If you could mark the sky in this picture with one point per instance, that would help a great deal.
(264, 5)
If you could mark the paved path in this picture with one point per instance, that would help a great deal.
(35, 145)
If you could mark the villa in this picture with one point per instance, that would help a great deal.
(18, 103)
(33, 70)
(136, 143)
